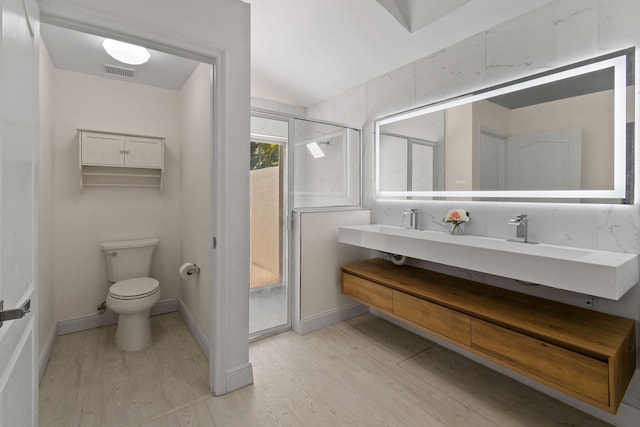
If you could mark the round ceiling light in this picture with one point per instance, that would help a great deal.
(125, 52)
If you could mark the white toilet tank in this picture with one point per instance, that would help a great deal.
(129, 259)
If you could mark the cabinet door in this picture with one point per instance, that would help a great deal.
(143, 152)
(102, 149)
(433, 317)
(367, 292)
(581, 374)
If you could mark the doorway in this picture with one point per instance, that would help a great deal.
(177, 108)
(213, 33)
(269, 290)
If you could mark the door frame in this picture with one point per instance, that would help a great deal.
(229, 368)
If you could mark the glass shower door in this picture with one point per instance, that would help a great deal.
(326, 165)
(269, 292)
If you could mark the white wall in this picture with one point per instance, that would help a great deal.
(317, 300)
(45, 201)
(266, 234)
(83, 220)
(195, 187)
(556, 34)
(277, 107)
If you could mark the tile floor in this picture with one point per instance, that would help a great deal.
(89, 382)
(362, 372)
(268, 307)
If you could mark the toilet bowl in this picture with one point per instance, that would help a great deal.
(133, 292)
(132, 299)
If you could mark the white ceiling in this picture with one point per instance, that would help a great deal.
(306, 51)
(81, 52)
(417, 14)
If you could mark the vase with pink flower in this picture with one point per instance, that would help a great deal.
(457, 218)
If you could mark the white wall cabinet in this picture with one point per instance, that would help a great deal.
(120, 160)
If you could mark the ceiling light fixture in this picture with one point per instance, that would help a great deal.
(126, 52)
(315, 150)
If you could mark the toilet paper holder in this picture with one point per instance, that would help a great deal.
(188, 270)
(193, 270)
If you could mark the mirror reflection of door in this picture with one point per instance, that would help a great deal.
(492, 161)
(545, 160)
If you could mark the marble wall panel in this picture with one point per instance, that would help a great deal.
(452, 71)
(392, 92)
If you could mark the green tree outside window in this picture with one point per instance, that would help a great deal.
(264, 155)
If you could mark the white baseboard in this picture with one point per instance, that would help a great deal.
(235, 378)
(201, 339)
(238, 377)
(329, 318)
(164, 307)
(46, 350)
(109, 318)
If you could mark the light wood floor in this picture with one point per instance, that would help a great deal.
(362, 372)
(89, 382)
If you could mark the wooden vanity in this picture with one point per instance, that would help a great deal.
(583, 353)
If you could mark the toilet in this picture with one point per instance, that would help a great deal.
(133, 292)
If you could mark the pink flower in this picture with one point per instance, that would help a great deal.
(457, 215)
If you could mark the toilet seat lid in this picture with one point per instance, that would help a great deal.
(134, 288)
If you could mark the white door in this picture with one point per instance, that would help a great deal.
(545, 160)
(18, 148)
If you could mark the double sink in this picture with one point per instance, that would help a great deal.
(593, 272)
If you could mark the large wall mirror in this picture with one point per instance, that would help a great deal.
(565, 135)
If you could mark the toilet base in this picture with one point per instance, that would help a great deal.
(134, 325)
(134, 331)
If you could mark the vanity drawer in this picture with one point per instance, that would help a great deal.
(367, 292)
(582, 374)
(434, 317)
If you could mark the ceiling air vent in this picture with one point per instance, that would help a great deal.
(119, 70)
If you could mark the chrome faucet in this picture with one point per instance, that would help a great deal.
(520, 222)
(412, 214)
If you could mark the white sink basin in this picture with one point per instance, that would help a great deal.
(592, 272)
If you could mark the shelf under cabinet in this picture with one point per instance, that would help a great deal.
(121, 174)
(584, 353)
(104, 176)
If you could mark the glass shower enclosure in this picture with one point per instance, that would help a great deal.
(295, 163)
